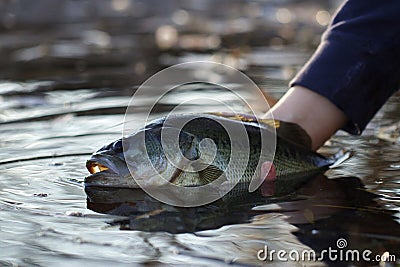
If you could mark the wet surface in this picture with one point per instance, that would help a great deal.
(63, 93)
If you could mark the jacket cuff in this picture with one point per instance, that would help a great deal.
(356, 79)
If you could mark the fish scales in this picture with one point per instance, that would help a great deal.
(294, 163)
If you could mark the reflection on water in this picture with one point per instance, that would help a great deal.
(318, 214)
(66, 79)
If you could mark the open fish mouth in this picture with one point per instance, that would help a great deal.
(108, 172)
(102, 163)
(95, 167)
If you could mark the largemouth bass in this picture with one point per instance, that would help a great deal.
(294, 163)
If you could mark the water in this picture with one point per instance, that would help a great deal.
(64, 91)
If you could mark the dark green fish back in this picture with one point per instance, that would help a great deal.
(294, 161)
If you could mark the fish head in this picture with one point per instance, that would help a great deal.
(141, 157)
(107, 167)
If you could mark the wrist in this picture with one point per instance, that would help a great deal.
(314, 113)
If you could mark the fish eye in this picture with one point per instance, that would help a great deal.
(117, 146)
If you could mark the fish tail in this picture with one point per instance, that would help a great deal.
(339, 157)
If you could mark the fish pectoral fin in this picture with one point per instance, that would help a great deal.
(268, 175)
(210, 174)
(266, 180)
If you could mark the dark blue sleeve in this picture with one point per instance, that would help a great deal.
(357, 64)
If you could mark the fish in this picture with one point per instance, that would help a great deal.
(281, 167)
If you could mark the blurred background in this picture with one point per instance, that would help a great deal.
(121, 42)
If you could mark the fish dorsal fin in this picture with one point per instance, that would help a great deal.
(210, 173)
(292, 132)
(246, 118)
(286, 130)
(235, 116)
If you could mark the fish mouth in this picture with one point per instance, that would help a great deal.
(102, 163)
(95, 167)
(108, 172)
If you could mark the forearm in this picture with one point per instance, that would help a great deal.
(313, 112)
